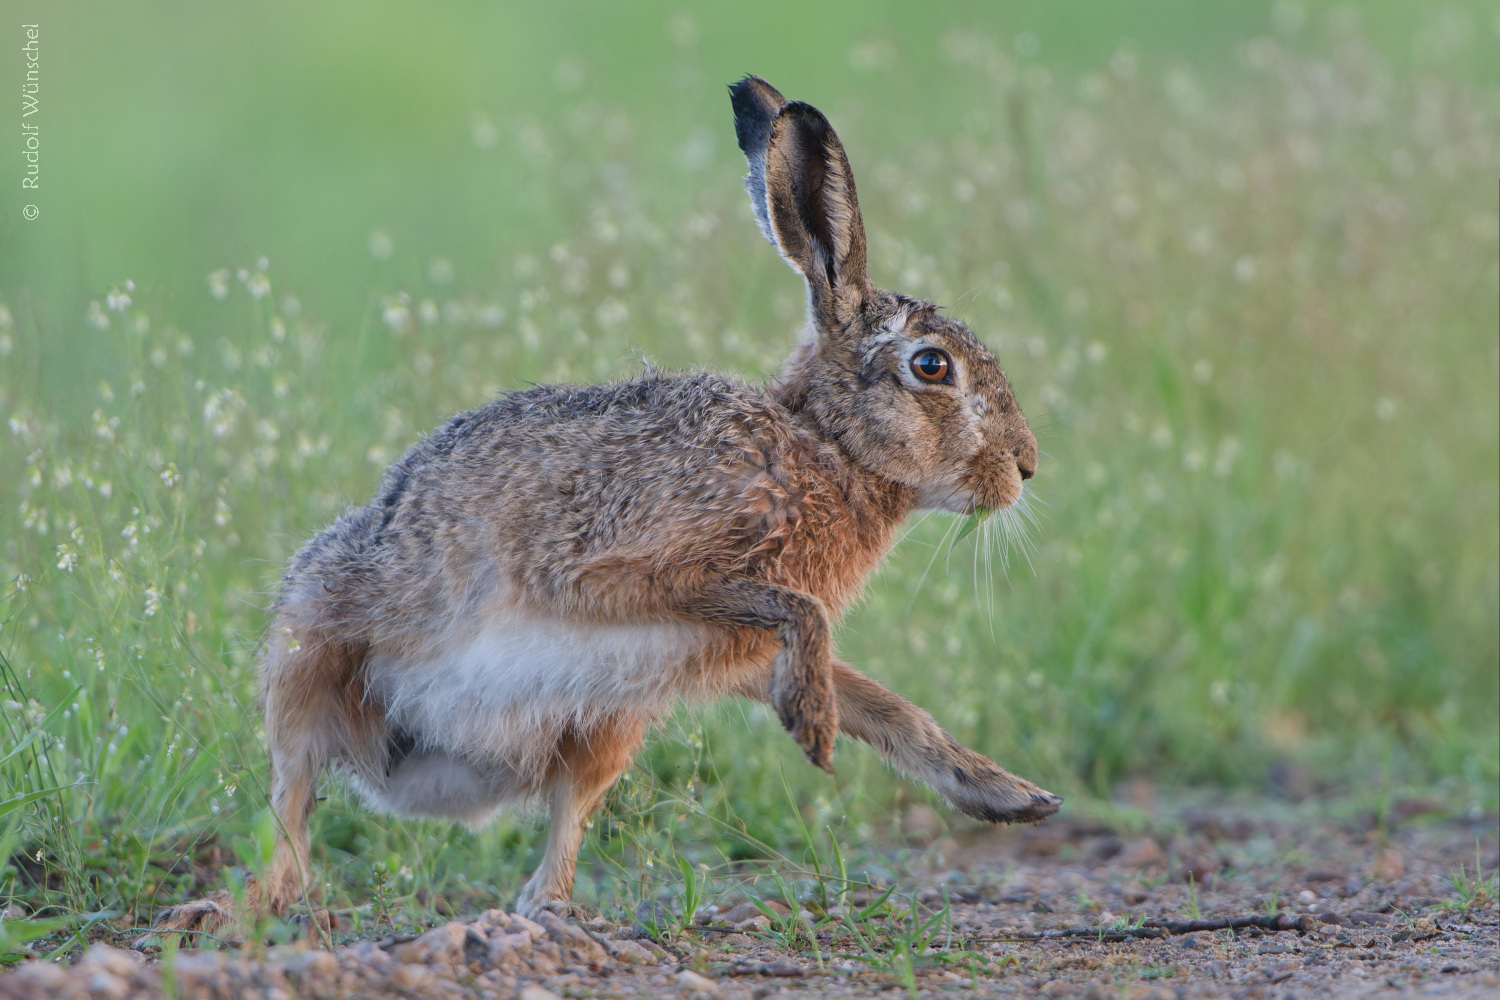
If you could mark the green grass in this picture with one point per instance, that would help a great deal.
(1241, 269)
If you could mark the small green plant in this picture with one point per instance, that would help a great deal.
(15, 935)
(694, 888)
(1272, 903)
(383, 903)
(1472, 891)
(1193, 895)
(1159, 972)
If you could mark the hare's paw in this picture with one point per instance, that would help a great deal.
(566, 909)
(208, 915)
(997, 796)
(811, 715)
(532, 907)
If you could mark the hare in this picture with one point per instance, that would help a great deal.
(537, 582)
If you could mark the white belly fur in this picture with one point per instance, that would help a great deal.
(503, 694)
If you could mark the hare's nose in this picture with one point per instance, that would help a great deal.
(1026, 457)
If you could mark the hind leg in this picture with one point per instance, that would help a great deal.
(293, 799)
(585, 767)
(309, 710)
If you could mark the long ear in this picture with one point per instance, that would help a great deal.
(756, 105)
(802, 191)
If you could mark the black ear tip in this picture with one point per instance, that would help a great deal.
(756, 104)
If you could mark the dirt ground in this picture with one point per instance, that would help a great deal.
(1370, 912)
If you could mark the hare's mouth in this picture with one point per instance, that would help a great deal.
(998, 492)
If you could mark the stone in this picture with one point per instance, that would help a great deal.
(494, 918)
(200, 966)
(116, 961)
(1363, 918)
(1388, 866)
(693, 984)
(574, 941)
(509, 951)
(630, 953)
(653, 917)
(1142, 853)
(440, 946)
(740, 912)
(42, 974)
(368, 955)
(107, 986)
(520, 923)
(531, 991)
(311, 963)
(411, 976)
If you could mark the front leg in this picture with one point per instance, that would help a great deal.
(912, 742)
(801, 686)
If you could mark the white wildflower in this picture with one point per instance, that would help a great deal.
(118, 299)
(381, 245)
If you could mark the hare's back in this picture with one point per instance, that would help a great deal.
(593, 452)
(548, 477)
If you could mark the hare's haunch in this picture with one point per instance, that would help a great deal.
(538, 581)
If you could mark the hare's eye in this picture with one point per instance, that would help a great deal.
(930, 366)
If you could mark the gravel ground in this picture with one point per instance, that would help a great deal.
(1373, 916)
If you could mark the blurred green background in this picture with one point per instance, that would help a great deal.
(1239, 259)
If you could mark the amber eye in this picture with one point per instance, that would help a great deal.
(930, 366)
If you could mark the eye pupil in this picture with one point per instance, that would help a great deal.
(930, 365)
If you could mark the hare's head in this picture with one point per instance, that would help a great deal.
(911, 395)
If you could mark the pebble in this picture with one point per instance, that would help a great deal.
(531, 991)
(1142, 853)
(1389, 866)
(695, 985)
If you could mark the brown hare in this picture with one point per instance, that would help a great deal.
(541, 579)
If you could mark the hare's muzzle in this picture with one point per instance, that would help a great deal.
(998, 474)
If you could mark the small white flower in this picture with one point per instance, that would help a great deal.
(67, 558)
(381, 245)
(218, 284)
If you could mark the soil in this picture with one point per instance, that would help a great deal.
(1057, 910)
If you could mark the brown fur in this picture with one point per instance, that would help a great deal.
(714, 528)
